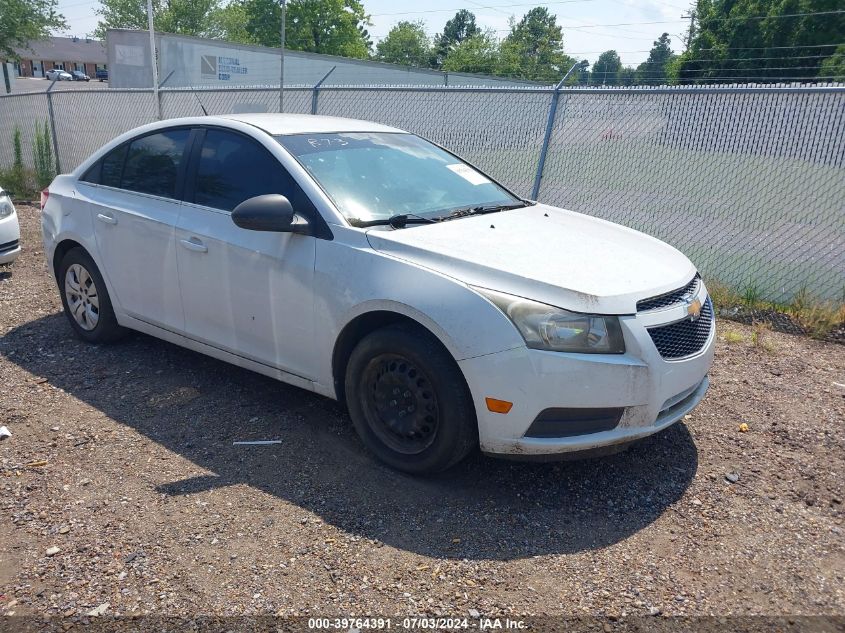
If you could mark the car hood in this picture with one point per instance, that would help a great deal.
(559, 257)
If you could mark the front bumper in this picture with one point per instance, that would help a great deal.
(654, 393)
(10, 236)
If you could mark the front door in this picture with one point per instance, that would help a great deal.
(134, 211)
(246, 292)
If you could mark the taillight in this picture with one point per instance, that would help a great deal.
(44, 195)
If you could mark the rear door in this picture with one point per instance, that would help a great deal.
(246, 292)
(134, 196)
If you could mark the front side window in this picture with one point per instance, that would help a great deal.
(373, 176)
(233, 168)
(152, 163)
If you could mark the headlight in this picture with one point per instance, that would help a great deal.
(550, 328)
(6, 206)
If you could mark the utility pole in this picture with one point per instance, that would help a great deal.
(282, 65)
(691, 31)
(153, 56)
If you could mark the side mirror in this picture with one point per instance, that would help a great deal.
(271, 212)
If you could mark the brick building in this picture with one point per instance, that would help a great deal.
(66, 53)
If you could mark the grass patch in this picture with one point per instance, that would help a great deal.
(804, 314)
(760, 337)
(732, 337)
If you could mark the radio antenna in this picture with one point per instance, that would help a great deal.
(193, 90)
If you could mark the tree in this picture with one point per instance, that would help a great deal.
(457, 30)
(761, 40)
(628, 76)
(606, 69)
(332, 27)
(477, 54)
(25, 21)
(654, 69)
(833, 68)
(534, 48)
(185, 17)
(407, 44)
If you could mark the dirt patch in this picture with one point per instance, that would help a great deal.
(155, 511)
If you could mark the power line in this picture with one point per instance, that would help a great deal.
(739, 70)
(763, 48)
(752, 17)
(615, 24)
(746, 59)
(77, 4)
(493, 6)
(727, 48)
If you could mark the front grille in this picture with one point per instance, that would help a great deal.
(670, 298)
(8, 246)
(684, 338)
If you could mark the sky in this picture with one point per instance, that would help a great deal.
(589, 26)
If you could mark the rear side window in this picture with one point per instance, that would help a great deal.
(152, 163)
(111, 167)
(233, 168)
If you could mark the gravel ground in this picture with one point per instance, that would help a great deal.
(121, 487)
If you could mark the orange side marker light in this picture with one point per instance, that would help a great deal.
(498, 406)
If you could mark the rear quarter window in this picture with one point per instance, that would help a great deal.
(108, 169)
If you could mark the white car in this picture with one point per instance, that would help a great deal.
(369, 265)
(58, 75)
(10, 231)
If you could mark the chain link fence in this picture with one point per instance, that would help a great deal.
(749, 182)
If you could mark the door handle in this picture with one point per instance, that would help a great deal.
(102, 217)
(194, 244)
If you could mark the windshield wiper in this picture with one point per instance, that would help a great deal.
(399, 221)
(480, 210)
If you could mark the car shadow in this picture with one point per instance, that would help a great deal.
(483, 508)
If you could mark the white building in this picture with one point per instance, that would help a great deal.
(186, 62)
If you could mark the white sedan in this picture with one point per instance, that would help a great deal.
(372, 266)
(58, 75)
(10, 232)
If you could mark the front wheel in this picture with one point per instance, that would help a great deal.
(86, 300)
(408, 400)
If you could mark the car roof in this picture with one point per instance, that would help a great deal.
(281, 124)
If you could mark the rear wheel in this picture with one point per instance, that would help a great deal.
(408, 400)
(86, 300)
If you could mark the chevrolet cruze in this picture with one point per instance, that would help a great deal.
(369, 265)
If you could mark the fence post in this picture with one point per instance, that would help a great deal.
(158, 96)
(52, 118)
(541, 163)
(316, 89)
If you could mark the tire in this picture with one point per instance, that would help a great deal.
(95, 320)
(408, 400)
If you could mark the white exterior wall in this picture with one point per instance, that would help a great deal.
(195, 62)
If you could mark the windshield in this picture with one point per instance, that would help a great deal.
(373, 176)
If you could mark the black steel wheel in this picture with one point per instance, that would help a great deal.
(402, 404)
(409, 401)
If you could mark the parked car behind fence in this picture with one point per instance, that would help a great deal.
(58, 74)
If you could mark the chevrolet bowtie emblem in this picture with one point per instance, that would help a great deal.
(693, 308)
